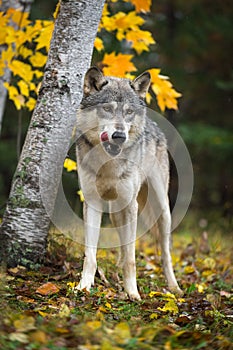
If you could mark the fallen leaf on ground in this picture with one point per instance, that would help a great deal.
(47, 289)
(24, 324)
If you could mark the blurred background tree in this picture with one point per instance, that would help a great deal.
(194, 47)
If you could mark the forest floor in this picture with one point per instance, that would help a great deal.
(43, 310)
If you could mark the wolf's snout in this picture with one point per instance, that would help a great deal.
(119, 137)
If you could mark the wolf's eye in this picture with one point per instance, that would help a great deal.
(129, 111)
(107, 108)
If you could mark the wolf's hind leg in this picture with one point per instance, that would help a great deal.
(164, 223)
(92, 218)
(125, 222)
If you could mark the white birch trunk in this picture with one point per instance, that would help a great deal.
(25, 223)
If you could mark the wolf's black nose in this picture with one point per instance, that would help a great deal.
(119, 137)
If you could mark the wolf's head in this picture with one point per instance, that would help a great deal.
(113, 110)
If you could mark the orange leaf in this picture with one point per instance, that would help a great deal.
(141, 5)
(47, 288)
(118, 65)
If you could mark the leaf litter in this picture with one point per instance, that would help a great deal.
(44, 310)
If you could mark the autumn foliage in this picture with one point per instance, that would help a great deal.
(26, 44)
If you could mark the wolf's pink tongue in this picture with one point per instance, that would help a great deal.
(104, 136)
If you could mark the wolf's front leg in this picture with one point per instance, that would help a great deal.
(92, 221)
(125, 222)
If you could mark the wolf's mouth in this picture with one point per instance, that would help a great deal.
(111, 148)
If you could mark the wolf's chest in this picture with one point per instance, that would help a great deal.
(108, 181)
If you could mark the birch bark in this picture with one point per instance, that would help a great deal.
(25, 224)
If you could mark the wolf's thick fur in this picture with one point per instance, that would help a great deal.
(123, 162)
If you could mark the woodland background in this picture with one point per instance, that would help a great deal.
(194, 44)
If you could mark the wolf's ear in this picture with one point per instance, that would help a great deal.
(94, 81)
(141, 84)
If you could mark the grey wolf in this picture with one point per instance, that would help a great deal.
(123, 164)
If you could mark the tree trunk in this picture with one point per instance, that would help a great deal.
(26, 222)
(5, 5)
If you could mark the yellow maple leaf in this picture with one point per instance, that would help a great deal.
(3, 19)
(157, 294)
(105, 14)
(165, 93)
(14, 95)
(98, 44)
(64, 311)
(70, 165)
(81, 196)
(32, 87)
(24, 52)
(45, 35)
(141, 40)
(141, 5)
(57, 10)
(122, 22)
(19, 101)
(24, 323)
(23, 87)
(148, 98)
(20, 18)
(38, 59)
(11, 35)
(2, 66)
(30, 104)
(32, 31)
(3, 34)
(201, 287)
(105, 10)
(170, 306)
(8, 54)
(71, 285)
(121, 333)
(12, 90)
(38, 73)
(21, 38)
(21, 69)
(93, 325)
(118, 65)
(108, 305)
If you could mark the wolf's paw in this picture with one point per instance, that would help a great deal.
(176, 290)
(134, 296)
(85, 283)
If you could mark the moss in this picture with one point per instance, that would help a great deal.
(19, 199)
(23, 255)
